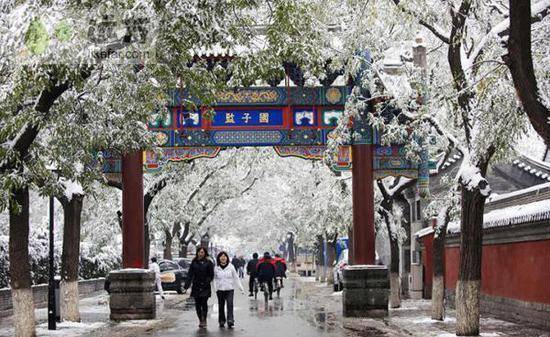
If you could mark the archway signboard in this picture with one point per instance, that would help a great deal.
(295, 121)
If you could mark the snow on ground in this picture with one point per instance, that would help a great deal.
(490, 334)
(431, 321)
(68, 329)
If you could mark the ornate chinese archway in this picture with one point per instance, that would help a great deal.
(296, 121)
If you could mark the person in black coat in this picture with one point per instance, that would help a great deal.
(253, 272)
(201, 274)
(266, 272)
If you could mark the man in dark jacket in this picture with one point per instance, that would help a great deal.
(253, 272)
(266, 272)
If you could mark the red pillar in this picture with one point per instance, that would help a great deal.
(363, 204)
(133, 237)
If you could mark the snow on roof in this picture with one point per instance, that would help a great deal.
(513, 215)
(424, 231)
(496, 197)
(397, 85)
(544, 164)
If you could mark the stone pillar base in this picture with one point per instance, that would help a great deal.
(366, 291)
(132, 294)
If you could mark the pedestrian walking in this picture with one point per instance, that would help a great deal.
(225, 279)
(154, 267)
(252, 270)
(235, 262)
(201, 274)
(242, 264)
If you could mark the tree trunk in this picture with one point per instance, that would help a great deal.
(146, 244)
(395, 279)
(438, 281)
(520, 62)
(319, 258)
(183, 240)
(70, 258)
(183, 249)
(331, 257)
(290, 249)
(469, 274)
(168, 239)
(20, 270)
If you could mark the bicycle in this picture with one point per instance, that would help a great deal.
(278, 285)
(255, 288)
(265, 289)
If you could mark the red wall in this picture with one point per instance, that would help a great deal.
(427, 262)
(514, 270)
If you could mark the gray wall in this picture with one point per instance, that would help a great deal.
(40, 292)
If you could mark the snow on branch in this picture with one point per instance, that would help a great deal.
(501, 29)
(71, 188)
(470, 177)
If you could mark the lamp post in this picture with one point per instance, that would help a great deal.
(51, 281)
(52, 307)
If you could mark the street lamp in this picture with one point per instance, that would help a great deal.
(51, 280)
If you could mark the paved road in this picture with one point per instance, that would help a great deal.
(291, 315)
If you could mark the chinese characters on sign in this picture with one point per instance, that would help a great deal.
(269, 117)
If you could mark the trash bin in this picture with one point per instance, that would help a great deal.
(57, 294)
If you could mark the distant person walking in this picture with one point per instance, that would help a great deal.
(235, 262)
(225, 279)
(154, 267)
(201, 274)
(252, 270)
(242, 264)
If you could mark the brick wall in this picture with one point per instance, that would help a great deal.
(40, 292)
(509, 309)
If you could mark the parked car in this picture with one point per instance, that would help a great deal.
(339, 266)
(184, 262)
(172, 275)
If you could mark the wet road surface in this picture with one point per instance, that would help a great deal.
(291, 315)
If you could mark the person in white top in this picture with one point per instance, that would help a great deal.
(225, 279)
(154, 267)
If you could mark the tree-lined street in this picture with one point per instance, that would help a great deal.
(395, 151)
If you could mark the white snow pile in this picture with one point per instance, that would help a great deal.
(513, 215)
(69, 329)
(428, 320)
(72, 188)
(471, 177)
(483, 334)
